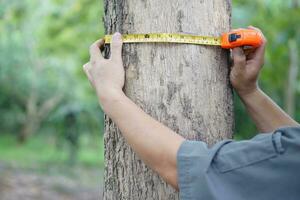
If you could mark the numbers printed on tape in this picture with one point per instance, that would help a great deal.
(235, 38)
(167, 38)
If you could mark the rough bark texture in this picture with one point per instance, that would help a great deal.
(186, 87)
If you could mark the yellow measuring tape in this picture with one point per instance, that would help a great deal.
(167, 38)
(236, 38)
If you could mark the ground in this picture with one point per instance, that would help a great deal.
(49, 183)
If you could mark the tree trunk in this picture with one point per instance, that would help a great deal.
(291, 87)
(36, 113)
(186, 87)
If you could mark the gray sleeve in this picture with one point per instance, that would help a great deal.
(193, 159)
(227, 167)
(192, 156)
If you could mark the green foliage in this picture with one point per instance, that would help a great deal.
(43, 47)
(45, 150)
(279, 21)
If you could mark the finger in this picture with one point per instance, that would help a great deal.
(248, 52)
(259, 53)
(86, 69)
(116, 46)
(254, 28)
(95, 52)
(239, 57)
(255, 54)
(250, 55)
(236, 29)
(257, 29)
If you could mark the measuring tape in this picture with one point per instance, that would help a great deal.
(241, 37)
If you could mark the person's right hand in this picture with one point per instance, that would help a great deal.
(245, 70)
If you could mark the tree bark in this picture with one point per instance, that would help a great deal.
(186, 87)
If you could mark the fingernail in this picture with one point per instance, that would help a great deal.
(116, 36)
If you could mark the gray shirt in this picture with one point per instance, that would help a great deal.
(265, 167)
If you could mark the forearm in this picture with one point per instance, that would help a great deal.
(266, 114)
(155, 144)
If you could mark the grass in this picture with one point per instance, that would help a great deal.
(43, 150)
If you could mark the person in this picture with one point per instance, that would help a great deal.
(264, 167)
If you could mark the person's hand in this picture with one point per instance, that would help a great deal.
(246, 67)
(106, 75)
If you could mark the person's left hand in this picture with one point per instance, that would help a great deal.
(106, 75)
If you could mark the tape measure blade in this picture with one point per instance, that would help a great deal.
(167, 38)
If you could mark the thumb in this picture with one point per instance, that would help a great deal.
(239, 57)
(86, 69)
(116, 46)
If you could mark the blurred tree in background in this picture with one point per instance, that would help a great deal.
(43, 47)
